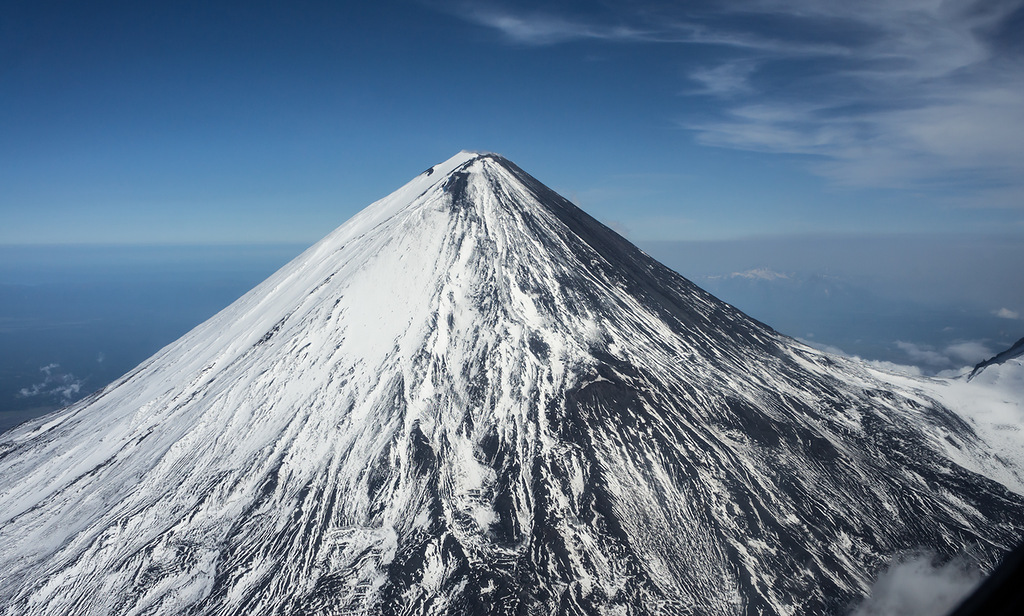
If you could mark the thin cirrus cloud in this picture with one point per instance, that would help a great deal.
(916, 94)
(634, 23)
(543, 29)
(724, 80)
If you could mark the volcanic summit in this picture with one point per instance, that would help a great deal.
(473, 398)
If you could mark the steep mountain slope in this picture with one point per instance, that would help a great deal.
(990, 399)
(472, 398)
(1011, 355)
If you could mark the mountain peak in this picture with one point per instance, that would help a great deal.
(473, 398)
(459, 161)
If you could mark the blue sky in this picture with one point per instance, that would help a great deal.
(850, 172)
(220, 122)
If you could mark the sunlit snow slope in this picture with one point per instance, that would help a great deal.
(472, 398)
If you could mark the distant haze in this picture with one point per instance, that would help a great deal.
(980, 271)
(74, 318)
(935, 302)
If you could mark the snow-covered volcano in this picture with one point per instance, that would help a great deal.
(473, 398)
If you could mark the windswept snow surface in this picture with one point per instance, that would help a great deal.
(472, 398)
(991, 401)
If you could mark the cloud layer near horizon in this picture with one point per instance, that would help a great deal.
(919, 94)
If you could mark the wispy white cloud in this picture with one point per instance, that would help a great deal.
(972, 137)
(970, 352)
(913, 94)
(888, 366)
(724, 80)
(634, 23)
(540, 28)
(922, 354)
(760, 273)
(956, 355)
(1006, 313)
(926, 98)
(63, 386)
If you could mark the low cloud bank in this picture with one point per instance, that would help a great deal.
(956, 355)
(914, 585)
